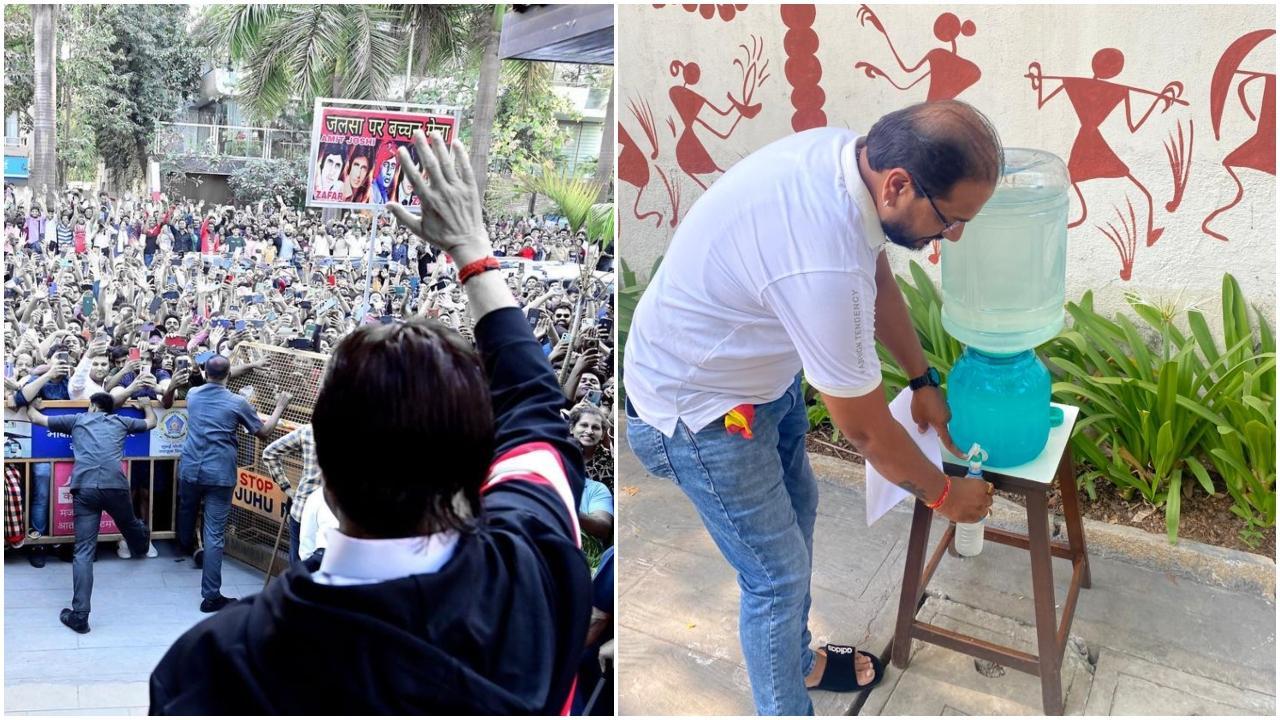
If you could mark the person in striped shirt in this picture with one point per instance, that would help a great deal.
(303, 442)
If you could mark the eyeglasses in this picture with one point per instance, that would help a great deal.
(947, 225)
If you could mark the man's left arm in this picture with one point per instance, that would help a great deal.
(896, 332)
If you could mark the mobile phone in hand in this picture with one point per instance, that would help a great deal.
(134, 354)
(593, 397)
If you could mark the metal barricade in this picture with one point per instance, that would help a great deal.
(257, 512)
(255, 526)
(151, 464)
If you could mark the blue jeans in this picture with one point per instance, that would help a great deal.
(295, 539)
(89, 504)
(41, 474)
(217, 508)
(758, 499)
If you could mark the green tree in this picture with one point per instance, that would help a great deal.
(153, 70)
(454, 90)
(84, 72)
(258, 179)
(353, 51)
(527, 133)
(19, 62)
(127, 68)
(283, 51)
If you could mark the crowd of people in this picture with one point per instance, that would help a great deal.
(119, 300)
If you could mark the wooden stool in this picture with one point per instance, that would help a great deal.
(1033, 481)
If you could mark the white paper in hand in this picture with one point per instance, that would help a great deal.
(882, 495)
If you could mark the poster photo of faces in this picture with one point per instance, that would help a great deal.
(346, 173)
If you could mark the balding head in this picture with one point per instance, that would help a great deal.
(939, 144)
(217, 368)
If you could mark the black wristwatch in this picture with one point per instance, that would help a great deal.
(930, 378)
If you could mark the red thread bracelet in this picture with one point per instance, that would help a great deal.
(472, 269)
(942, 498)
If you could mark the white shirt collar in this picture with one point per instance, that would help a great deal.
(355, 561)
(871, 230)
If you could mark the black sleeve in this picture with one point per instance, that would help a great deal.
(526, 397)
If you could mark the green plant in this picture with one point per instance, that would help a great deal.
(600, 224)
(593, 548)
(257, 179)
(817, 410)
(924, 303)
(1244, 453)
(573, 196)
(1133, 405)
(1157, 419)
(1243, 450)
(1148, 417)
(629, 292)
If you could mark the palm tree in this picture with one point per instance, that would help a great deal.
(353, 51)
(308, 50)
(464, 35)
(44, 154)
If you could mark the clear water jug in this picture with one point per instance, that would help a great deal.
(1001, 402)
(1004, 281)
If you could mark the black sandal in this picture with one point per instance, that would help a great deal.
(841, 675)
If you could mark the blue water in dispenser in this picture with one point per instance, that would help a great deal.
(1003, 291)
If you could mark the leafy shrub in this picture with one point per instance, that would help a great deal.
(924, 304)
(1154, 422)
(629, 292)
(264, 179)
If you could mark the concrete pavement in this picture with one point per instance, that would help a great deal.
(1144, 640)
(139, 608)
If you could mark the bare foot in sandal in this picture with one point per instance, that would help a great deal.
(865, 670)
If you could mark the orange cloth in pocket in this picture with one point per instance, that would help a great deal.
(738, 420)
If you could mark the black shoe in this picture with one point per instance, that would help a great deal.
(209, 605)
(198, 558)
(74, 620)
(37, 556)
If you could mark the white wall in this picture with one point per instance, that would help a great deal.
(1160, 44)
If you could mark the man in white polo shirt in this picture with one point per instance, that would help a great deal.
(780, 268)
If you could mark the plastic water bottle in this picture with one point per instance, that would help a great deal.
(1004, 287)
(1003, 401)
(969, 536)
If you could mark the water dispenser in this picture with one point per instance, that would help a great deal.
(1003, 291)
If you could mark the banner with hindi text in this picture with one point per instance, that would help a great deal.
(354, 159)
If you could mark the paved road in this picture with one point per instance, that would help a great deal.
(1147, 642)
(139, 608)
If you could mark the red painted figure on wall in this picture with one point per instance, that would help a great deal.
(948, 73)
(1094, 99)
(634, 165)
(691, 155)
(1259, 151)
